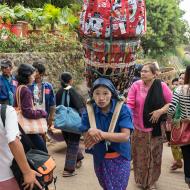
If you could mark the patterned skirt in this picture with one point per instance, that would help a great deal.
(113, 174)
(147, 157)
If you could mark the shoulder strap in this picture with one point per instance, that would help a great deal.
(68, 98)
(3, 113)
(90, 111)
(116, 115)
(18, 91)
(67, 95)
(63, 97)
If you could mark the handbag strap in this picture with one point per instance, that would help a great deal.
(18, 99)
(66, 94)
(18, 91)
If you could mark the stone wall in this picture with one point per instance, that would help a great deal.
(55, 63)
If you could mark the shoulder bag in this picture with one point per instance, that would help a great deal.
(180, 133)
(67, 118)
(38, 160)
(30, 126)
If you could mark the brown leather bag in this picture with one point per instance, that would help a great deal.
(181, 135)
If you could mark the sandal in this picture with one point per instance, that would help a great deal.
(68, 174)
(152, 187)
(175, 166)
(79, 164)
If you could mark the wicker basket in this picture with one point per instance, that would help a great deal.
(112, 59)
(121, 74)
(167, 74)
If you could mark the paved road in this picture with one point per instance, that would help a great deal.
(86, 179)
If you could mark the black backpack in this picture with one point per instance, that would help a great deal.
(38, 160)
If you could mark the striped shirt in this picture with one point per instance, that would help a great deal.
(181, 96)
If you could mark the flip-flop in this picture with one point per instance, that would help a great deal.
(175, 166)
(78, 164)
(68, 174)
(153, 187)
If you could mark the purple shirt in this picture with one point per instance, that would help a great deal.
(27, 107)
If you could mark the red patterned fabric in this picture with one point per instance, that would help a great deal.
(117, 18)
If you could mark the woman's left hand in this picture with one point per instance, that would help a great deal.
(155, 115)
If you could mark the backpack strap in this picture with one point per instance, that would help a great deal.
(3, 113)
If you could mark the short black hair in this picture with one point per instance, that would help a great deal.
(23, 73)
(175, 80)
(39, 66)
(65, 78)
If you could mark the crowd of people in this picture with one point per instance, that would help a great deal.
(138, 132)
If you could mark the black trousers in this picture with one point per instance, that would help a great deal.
(186, 158)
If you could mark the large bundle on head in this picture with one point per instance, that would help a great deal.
(113, 60)
(111, 30)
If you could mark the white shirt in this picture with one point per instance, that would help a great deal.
(7, 134)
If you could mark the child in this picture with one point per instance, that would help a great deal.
(111, 163)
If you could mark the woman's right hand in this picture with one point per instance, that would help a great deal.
(30, 180)
(92, 137)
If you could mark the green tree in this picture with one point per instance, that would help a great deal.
(165, 27)
(40, 3)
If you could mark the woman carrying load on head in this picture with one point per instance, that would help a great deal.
(111, 162)
(149, 100)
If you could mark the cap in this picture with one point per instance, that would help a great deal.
(6, 63)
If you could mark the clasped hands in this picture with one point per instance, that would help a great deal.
(92, 137)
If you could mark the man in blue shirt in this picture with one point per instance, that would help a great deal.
(8, 83)
(43, 92)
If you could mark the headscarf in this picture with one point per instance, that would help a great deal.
(106, 83)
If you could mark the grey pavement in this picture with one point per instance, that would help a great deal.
(86, 179)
